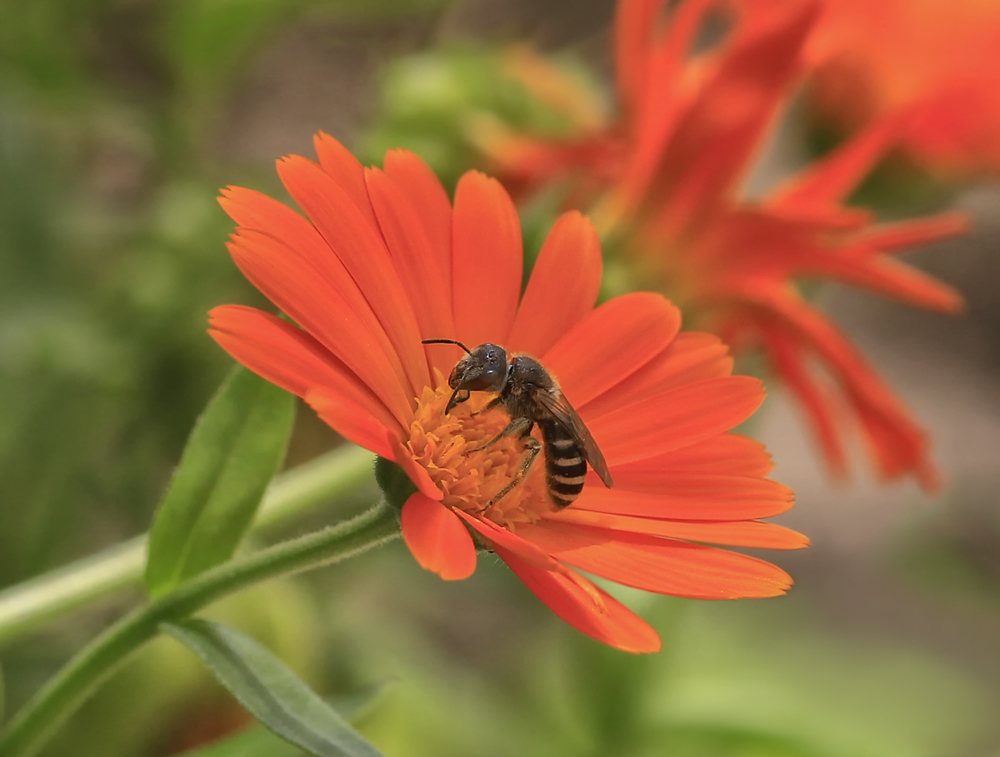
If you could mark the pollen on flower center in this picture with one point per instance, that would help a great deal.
(451, 448)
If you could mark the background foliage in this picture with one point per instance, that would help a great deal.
(119, 121)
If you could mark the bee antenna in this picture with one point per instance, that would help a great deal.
(446, 341)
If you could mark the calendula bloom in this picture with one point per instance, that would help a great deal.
(873, 58)
(669, 171)
(382, 261)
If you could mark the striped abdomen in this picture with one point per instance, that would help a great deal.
(565, 466)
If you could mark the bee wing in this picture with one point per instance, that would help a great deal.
(557, 404)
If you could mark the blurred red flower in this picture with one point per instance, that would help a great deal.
(666, 177)
(874, 58)
(382, 261)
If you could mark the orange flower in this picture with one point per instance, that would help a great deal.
(383, 261)
(874, 58)
(669, 173)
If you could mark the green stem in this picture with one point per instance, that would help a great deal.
(27, 606)
(61, 696)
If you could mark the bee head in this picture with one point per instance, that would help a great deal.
(484, 369)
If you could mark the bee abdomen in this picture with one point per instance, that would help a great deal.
(565, 466)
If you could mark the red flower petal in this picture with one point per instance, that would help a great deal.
(487, 260)
(727, 454)
(672, 495)
(350, 420)
(359, 245)
(833, 178)
(892, 237)
(344, 169)
(819, 406)
(527, 551)
(659, 565)
(692, 356)
(571, 596)
(606, 620)
(676, 418)
(613, 341)
(634, 24)
(897, 443)
(317, 265)
(289, 357)
(862, 268)
(421, 276)
(306, 295)
(563, 286)
(715, 138)
(425, 193)
(651, 76)
(748, 533)
(437, 538)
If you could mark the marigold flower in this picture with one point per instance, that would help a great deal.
(383, 261)
(938, 56)
(666, 176)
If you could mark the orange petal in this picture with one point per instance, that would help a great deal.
(891, 237)
(820, 408)
(344, 169)
(728, 454)
(673, 495)
(692, 356)
(307, 296)
(833, 178)
(714, 140)
(896, 442)
(527, 551)
(359, 245)
(562, 288)
(742, 533)
(660, 565)
(323, 269)
(529, 556)
(487, 260)
(676, 418)
(606, 620)
(654, 95)
(437, 538)
(613, 341)
(289, 357)
(350, 420)
(416, 261)
(634, 25)
(422, 188)
(862, 267)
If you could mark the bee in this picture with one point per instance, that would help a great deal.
(530, 395)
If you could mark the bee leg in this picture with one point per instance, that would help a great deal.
(458, 396)
(532, 448)
(495, 402)
(519, 426)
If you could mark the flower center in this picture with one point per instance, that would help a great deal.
(454, 448)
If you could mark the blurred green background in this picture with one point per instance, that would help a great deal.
(119, 121)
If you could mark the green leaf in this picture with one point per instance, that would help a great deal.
(250, 742)
(270, 691)
(231, 456)
(257, 741)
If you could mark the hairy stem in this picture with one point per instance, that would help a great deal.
(29, 605)
(61, 696)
